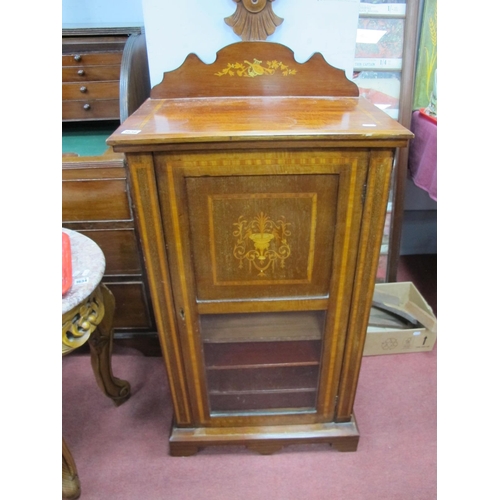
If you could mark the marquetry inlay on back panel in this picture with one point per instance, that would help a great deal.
(254, 69)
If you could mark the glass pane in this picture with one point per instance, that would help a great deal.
(381, 88)
(262, 361)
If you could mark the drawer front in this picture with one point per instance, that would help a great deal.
(99, 44)
(90, 90)
(92, 59)
(120, 249)
(90, 73)
(131, 305)
(95, 200)
(91, 110)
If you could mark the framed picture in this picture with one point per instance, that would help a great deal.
(385, 8)
(379, 44)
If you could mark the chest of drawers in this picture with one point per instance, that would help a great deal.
(105, 77)
(91, 77)
(96, 203)
(104, 73)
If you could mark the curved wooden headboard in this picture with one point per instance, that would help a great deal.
(254, 69)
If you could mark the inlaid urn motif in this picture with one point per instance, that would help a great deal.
(262, 243)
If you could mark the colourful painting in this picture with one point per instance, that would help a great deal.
(427, 58)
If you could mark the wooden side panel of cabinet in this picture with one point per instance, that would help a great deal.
(376, 197)
(144, 187)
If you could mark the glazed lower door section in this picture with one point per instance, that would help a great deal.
(262, 361)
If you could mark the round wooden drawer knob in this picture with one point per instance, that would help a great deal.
(81, 72)
(83, 89)
(78, 57)
(86, 106)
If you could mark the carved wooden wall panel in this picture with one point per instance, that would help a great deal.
(253, 19)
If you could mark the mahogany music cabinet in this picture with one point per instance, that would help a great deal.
(260, 187)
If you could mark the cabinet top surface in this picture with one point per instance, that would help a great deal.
(253, 119)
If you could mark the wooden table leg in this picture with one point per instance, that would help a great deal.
(101, 345)
(70, 480)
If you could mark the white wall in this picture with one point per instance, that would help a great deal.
(102, 12)
(175, 29)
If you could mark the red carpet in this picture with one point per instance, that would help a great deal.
(122, 453)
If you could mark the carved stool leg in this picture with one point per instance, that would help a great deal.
(70, 480)
(101, 345)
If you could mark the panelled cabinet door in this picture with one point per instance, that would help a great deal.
(262, 248)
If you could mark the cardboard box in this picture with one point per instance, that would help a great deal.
(413, 331)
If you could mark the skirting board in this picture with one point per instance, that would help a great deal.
(265, 439)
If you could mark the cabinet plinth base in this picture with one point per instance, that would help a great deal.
(266, 439)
